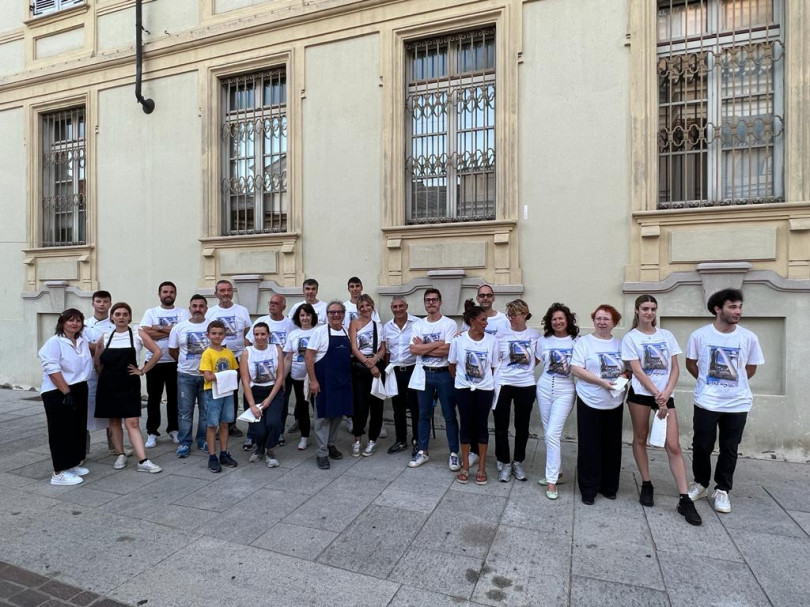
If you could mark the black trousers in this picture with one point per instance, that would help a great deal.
(473, 413)
(67, 426)
(365, 405)
(523, 397)
(301, 407)
(160, 376)
(599, 450)
(706, 425)
(403, 403)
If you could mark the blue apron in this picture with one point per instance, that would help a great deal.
(334, 374)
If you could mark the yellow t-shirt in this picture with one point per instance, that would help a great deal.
(216, 361)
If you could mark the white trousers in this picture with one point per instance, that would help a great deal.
(555, 402)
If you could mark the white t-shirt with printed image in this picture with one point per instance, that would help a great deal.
(236, 319)
(191, 339)
(556, 353)
(495, 325)
(320, 310)
(262, 365)
(474, 361)
(296, 344)
(518, 353)
(365, 338)
(279, 330)
(164, 318)
(722, 383)
(603, 358)
(654, 352)
(351, 314)
(444, 329)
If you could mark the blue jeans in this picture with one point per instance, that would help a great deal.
(189, 391)
(442, 384)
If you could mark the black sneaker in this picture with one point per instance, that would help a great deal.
(213, 464)
(646, 498)
(235, 431)
(323, 462)
(281, 442)
(689, 512)
(334, 453)
(248, 445)
(414, 449)
(226, 460)
(397, 447)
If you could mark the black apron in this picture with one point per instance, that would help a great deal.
(119, 393)
(334, 374)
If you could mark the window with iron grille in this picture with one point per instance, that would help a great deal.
(720, 102)
(41, 7)
(254, 153)
(450, 127)
(64, 184)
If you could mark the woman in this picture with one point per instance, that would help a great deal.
(119, 384)
(597, 363)
(555, 388)
(476, 353)
(260, 366)
(652, 354)
(306, 319)
(368, 349)
(66, 366)
(515, 376)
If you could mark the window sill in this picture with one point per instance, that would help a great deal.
(71, 250)
(455, 228)
(55, 16)
(248, 240)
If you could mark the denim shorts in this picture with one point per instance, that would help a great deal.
(218, 410)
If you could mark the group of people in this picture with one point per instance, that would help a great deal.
(340, 360)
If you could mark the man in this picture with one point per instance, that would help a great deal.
(280, 328)
(237, 322)
(311, 297)
(431, 345)
(328, 360)
(722, 357)
(355, 287)
(187, 341)
(157, 323)
(496, 321)
(397, 334)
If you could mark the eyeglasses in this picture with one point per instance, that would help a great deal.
(487, 295)
(432, 300)
(336, 312)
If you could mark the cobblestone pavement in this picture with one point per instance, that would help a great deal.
(371, 531)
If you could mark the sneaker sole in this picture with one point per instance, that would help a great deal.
(722, 510)
(150, 470)
(368, 454)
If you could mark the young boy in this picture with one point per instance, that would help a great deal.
(219, 411)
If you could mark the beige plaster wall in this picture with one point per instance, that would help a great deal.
(159, 18)
(12, 13)
(12, 57)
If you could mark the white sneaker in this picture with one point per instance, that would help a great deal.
(696, 491)
(66, 477)
(272, 462)
(371, 447)
(79, 471)
(174, 434)
(149, 467)
(151, 441)
(420, 458)
(120, 462)
(517, 471)
(453, 462)
(350, 425)
(303, 443)
(473, 459)
(356, 449)
(383, 432)
(721, 501)
(504, 472)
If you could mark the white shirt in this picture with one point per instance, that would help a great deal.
(398, 341)
(262, 365)
(165, 318)
(320, 310)
(58, 354)
(603, 358)
(474, 361)
(444, 329)
(518, 353)
(351, 314)
(279, 330)
(190, 338)
(654, 352)
(121, 340)
(556, 352)
(236, 319)
(296, 345)
(319, 340)
(722, 383)
(95, 328)
(495, 324)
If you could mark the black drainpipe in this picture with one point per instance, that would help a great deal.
(148, 104)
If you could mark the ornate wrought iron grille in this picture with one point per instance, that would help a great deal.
(64, 184)
(450, 118)
(40, 7)
(720, 89)
(254, 153)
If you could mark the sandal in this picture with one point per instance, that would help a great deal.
(481, 478)
(463, 476)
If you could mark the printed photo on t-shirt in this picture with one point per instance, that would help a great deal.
(196, 343)
(302, 349)
(352, 316)
(558, 361)
(277, 338)
(723, 366)
(475, 366)
(365, 341)
(230, 325)
(430, 338)
(167, 321)
(520, 354)
(264, 371)
(611, 365)
(655, 358)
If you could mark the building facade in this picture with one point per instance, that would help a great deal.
(579, 151)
